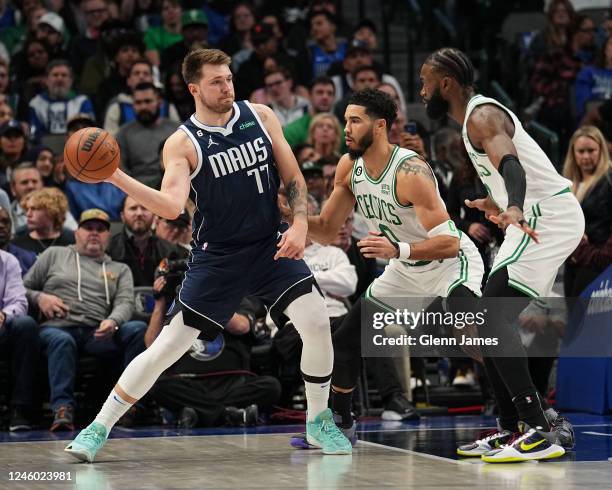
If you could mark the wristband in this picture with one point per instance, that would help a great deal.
(404, 250)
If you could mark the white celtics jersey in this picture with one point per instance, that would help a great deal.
(378, 203)
(543, 180)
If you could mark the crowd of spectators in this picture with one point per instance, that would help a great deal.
(74, 256)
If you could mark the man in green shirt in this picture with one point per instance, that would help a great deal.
(322, 93)
(158, 38)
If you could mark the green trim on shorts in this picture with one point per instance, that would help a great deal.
(376, 301)
(523, 288)
(564, 191)
(518, 251)
(463, 273)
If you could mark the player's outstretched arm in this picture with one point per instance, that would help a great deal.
(293, 242)
(324, 228)
(170, 201)
(489, 127)
(415, 185)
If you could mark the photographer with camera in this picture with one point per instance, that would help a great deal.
(211, 384)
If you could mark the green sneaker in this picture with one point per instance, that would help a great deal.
(89, 441)
(322, 432)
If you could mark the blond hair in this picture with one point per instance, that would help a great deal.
(196, 59)
(318, 119)
(52, 200)
(572, 171)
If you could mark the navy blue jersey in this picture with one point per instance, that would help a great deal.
(235, 183)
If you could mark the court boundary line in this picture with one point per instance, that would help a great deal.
(411, 452)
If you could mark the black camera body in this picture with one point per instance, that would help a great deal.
(174, 272)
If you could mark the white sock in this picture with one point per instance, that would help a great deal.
(113, 409)
(317, 395)
(140, 375)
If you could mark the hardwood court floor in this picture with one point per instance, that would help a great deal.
(389, 456)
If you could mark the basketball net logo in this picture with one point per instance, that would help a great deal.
(211, 142)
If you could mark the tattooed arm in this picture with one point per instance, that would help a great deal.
(293, 241)
(415, 185)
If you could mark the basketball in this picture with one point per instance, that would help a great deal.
(91, 155)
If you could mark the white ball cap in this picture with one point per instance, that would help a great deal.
(53, 20)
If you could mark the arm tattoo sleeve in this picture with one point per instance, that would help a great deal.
(416, 166)
(296, 198)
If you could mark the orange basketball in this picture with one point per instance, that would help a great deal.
(91, 155)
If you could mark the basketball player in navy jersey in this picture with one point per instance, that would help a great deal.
(229, 157)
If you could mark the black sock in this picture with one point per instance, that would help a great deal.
(341, 405)
(507, 414)
(529, 407)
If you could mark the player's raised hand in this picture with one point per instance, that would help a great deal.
(514, 216)
(293, 241)
(486, 205)
(377, 246)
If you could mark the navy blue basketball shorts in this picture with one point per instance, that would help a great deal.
(221, 275)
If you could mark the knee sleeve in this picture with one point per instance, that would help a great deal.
(173, 341)
(309, 316)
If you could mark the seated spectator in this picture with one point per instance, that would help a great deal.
(158, 38)
(45, 212)
(305, 152)
(13, 147)
(448, 149)
(86, 301)
(251, 74)
(140, 139)
(137, 246)
(6, 112)
(51, 30)
(367, 33)
(211, 384)
(280, 96)
(84, 45)
(120, 109)
(466, 184)
(45, 161)
(25, 179)
(594, 82)
(30, 70)
(194, 28)
(241, 23)
(325, 134)
(555, 36)
(324, 48)
(601, 117)
(315, 183)
(322, 95)
(358, 55)
(24, 257)
(176, 231)
(362, 77)
(328, 165)
(4, 199)
(50, 110)
(178, 94)
(125, 49)
(555, 73)
(18, 341)
(588, 166)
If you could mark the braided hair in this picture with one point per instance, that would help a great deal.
(453, 63)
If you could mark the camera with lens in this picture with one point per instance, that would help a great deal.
(174, 271)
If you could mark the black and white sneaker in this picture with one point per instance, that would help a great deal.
(399, 408)
(19, 421)
(562, 428)
(488, 441)
(528, 445)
